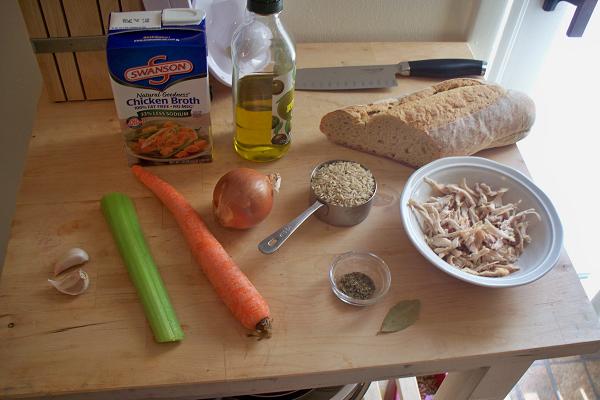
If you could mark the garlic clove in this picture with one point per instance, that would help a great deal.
(275, 180)
(72, 282)
(71, 258)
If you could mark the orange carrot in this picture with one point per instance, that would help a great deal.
(230, 283)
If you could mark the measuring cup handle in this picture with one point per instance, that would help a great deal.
(276, 239)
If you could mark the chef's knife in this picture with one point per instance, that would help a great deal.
(383, 76)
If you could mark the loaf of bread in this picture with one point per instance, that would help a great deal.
(452, 118)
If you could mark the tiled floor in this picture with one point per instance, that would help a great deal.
(569, 378)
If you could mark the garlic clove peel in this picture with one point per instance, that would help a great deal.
(71, 258)
(72, 282)
(275, 180)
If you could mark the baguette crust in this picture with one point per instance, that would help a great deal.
(454, 117)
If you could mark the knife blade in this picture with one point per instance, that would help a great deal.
(384, 76)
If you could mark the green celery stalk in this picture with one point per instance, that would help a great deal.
(120, 214)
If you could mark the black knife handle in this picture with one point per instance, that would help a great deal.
(445, 68)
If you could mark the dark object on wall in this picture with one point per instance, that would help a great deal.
(581, 17)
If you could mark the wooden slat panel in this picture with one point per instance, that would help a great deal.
(57, 27)
(36, 28)
(132, 5)
(94, 75)
(54, 88)
(70, 76)
(33, 18)
(83, 19)
(106, 7)
(55, 20)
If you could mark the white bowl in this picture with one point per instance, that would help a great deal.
(538, 257)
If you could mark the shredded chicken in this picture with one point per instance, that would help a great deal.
(472, 229)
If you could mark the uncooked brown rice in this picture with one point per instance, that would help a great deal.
(343, 183)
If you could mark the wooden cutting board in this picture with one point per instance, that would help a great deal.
(100, 344)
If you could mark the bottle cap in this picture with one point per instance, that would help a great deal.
(265, 7)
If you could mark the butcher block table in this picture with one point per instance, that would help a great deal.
(99, 345)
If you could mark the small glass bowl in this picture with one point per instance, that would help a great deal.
(367, 263)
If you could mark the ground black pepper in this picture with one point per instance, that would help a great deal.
(357, 285)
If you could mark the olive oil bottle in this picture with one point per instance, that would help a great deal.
(264, 69)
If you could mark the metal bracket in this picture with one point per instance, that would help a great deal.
(581, 17)
(68, 44)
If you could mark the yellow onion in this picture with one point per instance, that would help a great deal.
(243, 197)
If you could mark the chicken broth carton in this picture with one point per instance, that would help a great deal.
(158, 71)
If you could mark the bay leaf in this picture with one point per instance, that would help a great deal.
(401, 316)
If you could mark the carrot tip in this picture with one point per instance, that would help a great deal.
(263, 329)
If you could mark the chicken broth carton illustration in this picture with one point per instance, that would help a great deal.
(157, 62)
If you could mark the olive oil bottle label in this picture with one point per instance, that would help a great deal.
(283, 104)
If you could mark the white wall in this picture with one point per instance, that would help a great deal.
(487, 28)
(378, 20)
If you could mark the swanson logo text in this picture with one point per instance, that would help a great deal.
(158, 70)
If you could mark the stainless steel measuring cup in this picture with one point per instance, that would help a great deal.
(330, 213)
